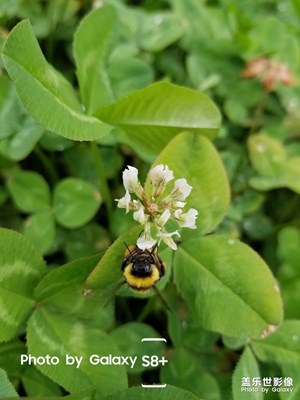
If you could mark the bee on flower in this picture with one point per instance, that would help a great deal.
(154, 211)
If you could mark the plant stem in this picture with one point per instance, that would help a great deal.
(103, 185)
(47, 164)
(258, 113)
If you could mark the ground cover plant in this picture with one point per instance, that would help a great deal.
(190, 108)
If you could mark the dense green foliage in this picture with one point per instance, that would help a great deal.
(208, 88)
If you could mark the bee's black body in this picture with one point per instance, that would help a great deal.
(142, 268)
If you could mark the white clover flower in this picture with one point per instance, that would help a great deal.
(181, 190)
(140, 216)
(124, 202)
(166, 237)
(153, 209)
(131, 182)
(188, 219)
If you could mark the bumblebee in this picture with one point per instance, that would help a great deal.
(142, 269)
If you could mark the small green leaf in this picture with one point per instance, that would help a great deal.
(21, 267)
(58, 335)
(139, 393)
(45, 93)
(193, 157)
(160, 30)
(270, 160)
(91, 43)
(10, 354)
(10, 108)
(228, 287)
(267, 155)
(86, 241)
(75, 202)
(185, 371)
(40, 229)
(247, 367)
(37, 384)
(282, 347)
(29, 191)
(6, 388)
(20, 145)
(128, 75)
(129, 337)
(153, 115)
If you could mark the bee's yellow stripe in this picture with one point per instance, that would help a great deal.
(138, 282)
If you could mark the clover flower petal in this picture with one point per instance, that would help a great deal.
(124, 202)
(140, 216)
(181, 190)
(145, 241)
(160, 173)
(188, 219)
(162, 219)
(131, 182)
(166, 237)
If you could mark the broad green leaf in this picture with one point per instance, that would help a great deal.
(228, 287)
(139, 393)
(129, 337)
(29, 190)
(193, 157)
(195, 338)
(185, 370)
(45, 93)
(288, 252)
(21, 267)
(64, 286)
(6, 388)
(282, 347)
(40, 229)
(37, 384)
(20, 145)
(58, 335)
(247, 367)
(153, 115)
(75, 202)
(160, 30)
(91, 44)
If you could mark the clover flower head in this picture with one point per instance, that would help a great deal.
(154, 212)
